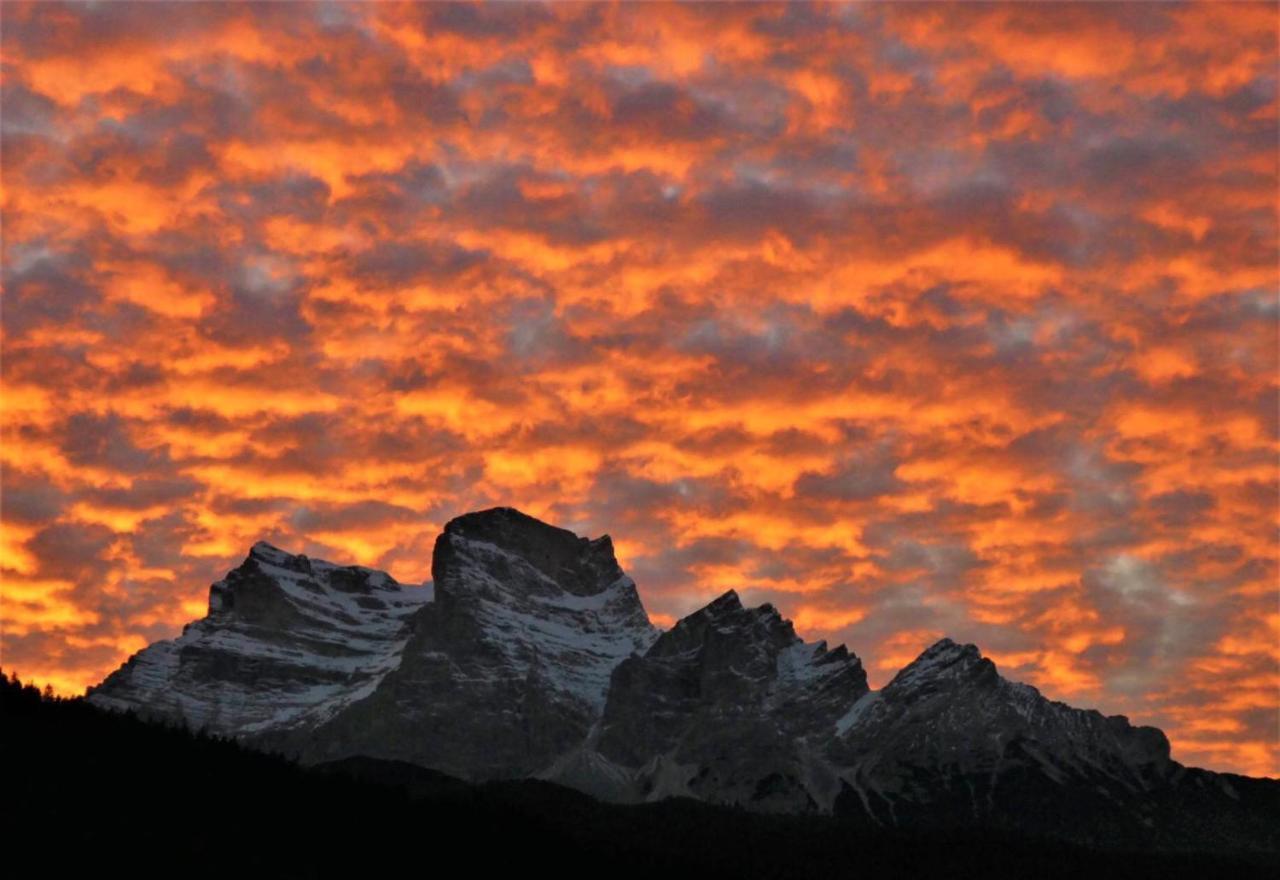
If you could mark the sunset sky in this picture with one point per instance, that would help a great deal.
(913, 320)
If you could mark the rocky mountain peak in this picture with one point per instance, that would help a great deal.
(508, 668)
(267, 551)
(502, 540)
(288, 642)
(725, 674)
(278, 589)
(945, 665)
(726, 619)
(727, 602)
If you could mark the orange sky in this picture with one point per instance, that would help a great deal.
(913, 320)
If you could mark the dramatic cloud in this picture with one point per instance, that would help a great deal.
(914, 320)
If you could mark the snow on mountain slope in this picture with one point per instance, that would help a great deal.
(730, 705)
(948, 737)
(288, 641)
(507, 669)
(533, 656)
(973, 715)
(544, 597)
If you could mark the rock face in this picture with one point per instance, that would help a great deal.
(531, 655)
(949, 739)
(728, 706)
(508, 668)
(950, 743)
(950, 708)
(288, 642)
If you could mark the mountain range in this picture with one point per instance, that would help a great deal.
(530, 655)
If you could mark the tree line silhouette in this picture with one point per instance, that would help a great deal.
(88, 789)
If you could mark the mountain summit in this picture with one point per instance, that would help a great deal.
(531, 655)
